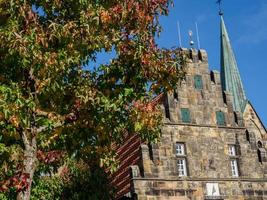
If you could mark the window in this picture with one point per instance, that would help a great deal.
(179, 147)
(220, 118)
(259, 144)
(236, 117)
(175, 95)
(247, 136)
(150, 150)
(212, 76)
(167, 113)
(224, 98)
(185, 115)
(234, 168)
(181, 166)
(259, 155)
(198, 82)
(262, 154)
(181, 159)
(232, 150)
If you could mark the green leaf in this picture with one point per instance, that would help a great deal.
(138, 127)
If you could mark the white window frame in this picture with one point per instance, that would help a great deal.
(232, 150)
(181, 167)
(234, 168)
(180, 149)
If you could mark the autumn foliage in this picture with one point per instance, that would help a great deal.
(56, 104)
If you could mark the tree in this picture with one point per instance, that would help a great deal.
(54, 104)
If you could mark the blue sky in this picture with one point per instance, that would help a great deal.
(246, 21)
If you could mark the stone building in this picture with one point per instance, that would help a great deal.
(213, 143)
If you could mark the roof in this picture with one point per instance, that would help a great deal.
(230, 76)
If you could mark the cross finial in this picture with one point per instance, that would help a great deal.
(219, 2)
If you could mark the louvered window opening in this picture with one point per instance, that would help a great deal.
(220, 118)
(198, 82)
(185, 115)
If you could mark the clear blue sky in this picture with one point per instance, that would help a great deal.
(246, 21)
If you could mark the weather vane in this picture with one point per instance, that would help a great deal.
(190, 33)
(220, 6)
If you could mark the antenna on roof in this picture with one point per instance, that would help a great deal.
(219, 2)
(198, 41)
(191, 42)
(179, 33)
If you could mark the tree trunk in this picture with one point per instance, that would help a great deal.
(29, 141)
(30, 162)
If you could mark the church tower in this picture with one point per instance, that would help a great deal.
(213, 143)
(230, 76)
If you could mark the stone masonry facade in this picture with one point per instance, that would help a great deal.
(206, 150)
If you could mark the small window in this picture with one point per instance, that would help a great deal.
(167, 113)
(232, 150)
(224, 98)
(150, 150)
(198, 82)
(262, 154)
(234, 168)
(259, 155)
(175, 95)
(236, 117)
(220, 118)
(212, 76)
(259, 144)
(179, 147)
(247, 136)
(191, 54)
(185, 115)
(181, 166)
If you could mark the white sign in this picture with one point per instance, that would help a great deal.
(213, 189)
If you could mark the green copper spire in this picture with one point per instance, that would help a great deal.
(230, 76)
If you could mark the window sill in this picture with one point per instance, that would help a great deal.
(219, 197)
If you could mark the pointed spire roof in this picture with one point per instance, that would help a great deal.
(230, 76)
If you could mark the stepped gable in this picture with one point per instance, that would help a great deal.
(212, 146)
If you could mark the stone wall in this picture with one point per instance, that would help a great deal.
(206, 145)
(196, 190)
